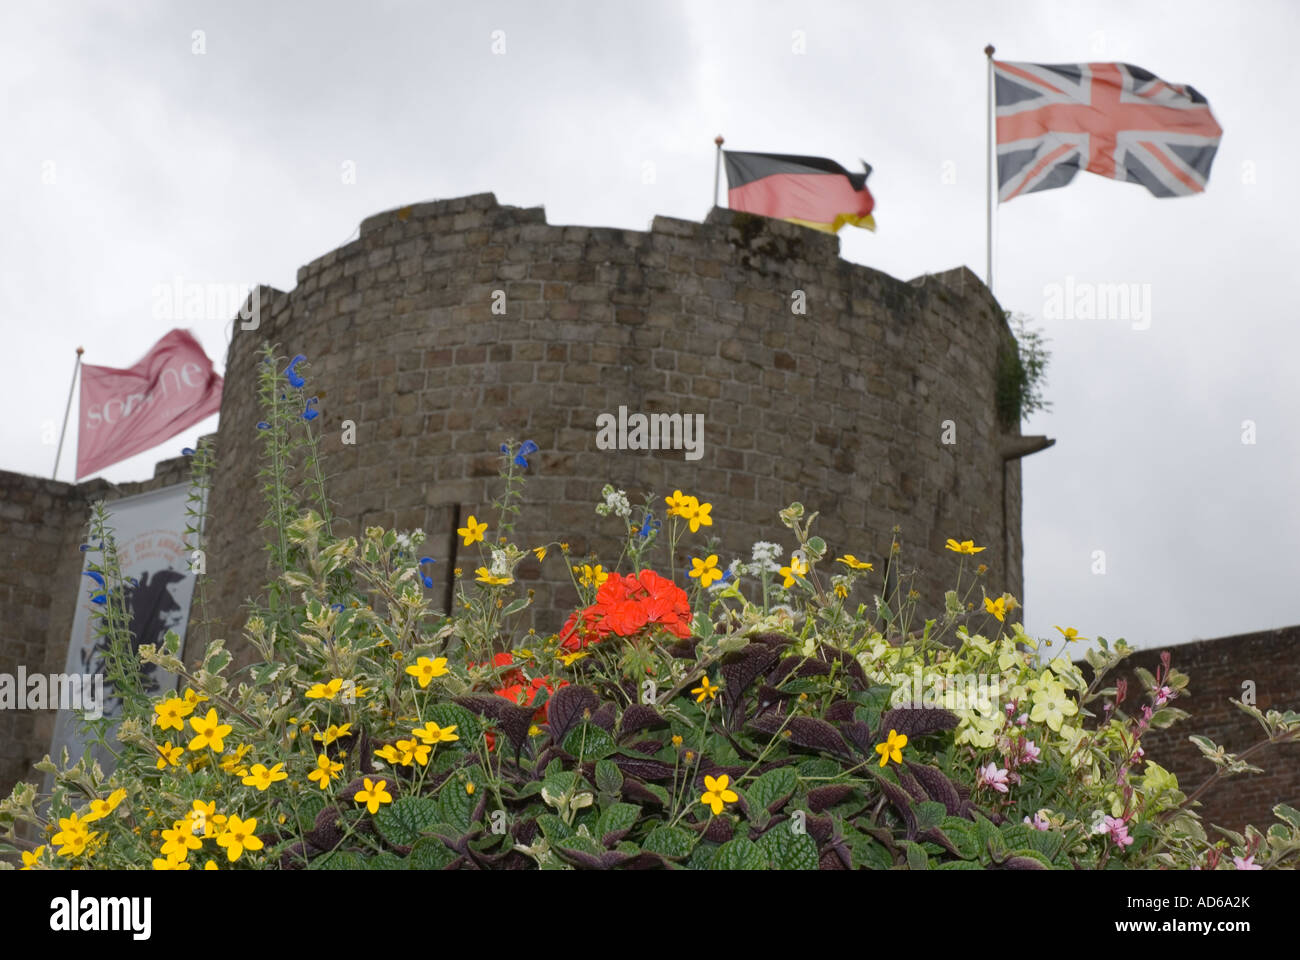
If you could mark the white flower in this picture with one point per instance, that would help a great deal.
(615, 502)
(765, 557)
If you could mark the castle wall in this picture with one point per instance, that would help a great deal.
(841, 407)
(42, 524)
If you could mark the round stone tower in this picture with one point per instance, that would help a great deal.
(448, 326)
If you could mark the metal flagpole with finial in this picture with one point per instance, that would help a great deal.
(67, 410)
(988, 177)
(717, 168)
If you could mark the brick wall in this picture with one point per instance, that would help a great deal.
(841, 408)
(42, 524)
(1218, 668)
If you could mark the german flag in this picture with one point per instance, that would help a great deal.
(810, 191)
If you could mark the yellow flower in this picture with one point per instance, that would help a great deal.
(697, 514)
(534, 730)
(568, 659)
(332, 733)
(210, 865)
(677, 503)
(717, 793)
(373, 795)
(853, 563)
(484, 575)
(172, 862)
(996, 607)
(33, 858)
(209, 732)
(171, 713)
(472, 531)
(589, 576)
(102, 808)
(706, 570)
(389, 753)
(325, 771)
(797, 568)
(705, 689)
(677, 740)
(892, 748)
(432, 733)
(325, 691)
(413, 753)
(966, 546)
(841, 590)
(539, 553)
(205, 819)
(180, 839)
(168, 755)
(469, 788)
(233, 762)
(192, 700)
(1070, 634)
(425, 669)
(262, 778)
(239, 836)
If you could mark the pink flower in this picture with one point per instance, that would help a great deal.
(1246, 863)
(1029, 752)
(1163, 696)
(1039, 822)
(991, 776)
(1118, 831)
(1022, 720)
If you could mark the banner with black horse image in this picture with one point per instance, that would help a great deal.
(149, 530)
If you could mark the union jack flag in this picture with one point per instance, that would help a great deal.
(1112, 119)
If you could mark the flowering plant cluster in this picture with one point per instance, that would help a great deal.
(791, 711)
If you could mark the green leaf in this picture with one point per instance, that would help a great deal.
(617, 818)
(609, 779)
(455, 806)
(553, 828)
(870, 854)
(960, 865)
(819, 767)
(589, 742)
(929, 813)
(515, 606)
(740, 854)
(401, 822)
(963, 835)
(430, 853)
(787, 850)
(344, 860)
(671, 842)
(308, 810)
(772, 790)
(385, 861)
(1290, 814)
(468, 725)
(917, 858)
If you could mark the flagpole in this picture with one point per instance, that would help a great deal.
(67, 410)
(717, 168)
(988, 176)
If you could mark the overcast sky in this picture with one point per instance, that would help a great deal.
(226, 167)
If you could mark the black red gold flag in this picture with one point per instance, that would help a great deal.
(810, 191)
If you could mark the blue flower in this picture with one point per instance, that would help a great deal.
(428, 581)
(526, 449)
(187, 451)
(309, 413)
(337, 606)
(263, 425)
(97, 577)
(295, 381)
(649, 526)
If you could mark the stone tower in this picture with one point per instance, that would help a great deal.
(842, 406)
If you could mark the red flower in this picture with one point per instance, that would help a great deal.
(625, 605)
(524, 693)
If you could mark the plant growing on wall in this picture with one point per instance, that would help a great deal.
(1021, 374)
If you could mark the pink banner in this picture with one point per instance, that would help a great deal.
(124, 412)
